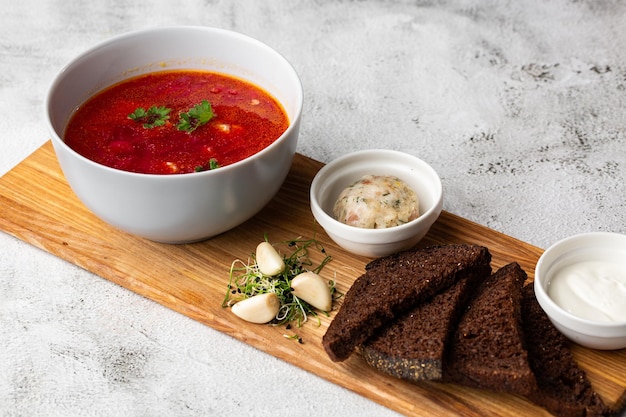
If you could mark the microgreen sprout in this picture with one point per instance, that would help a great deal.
(294, 337)
(246, 281)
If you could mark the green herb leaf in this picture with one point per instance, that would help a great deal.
(212, 164)
(138, 114)
(155, 116)
(197, 116)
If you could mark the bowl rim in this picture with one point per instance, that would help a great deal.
(358, 234)
(76, 60)
(553, 310)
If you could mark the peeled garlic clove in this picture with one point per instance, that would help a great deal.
(268, 260)
(311, 288)
(259, 309)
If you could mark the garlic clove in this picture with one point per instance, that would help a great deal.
(261, 308)
(268, 260)
(312, 288)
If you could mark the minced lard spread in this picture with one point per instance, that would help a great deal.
(377, 202)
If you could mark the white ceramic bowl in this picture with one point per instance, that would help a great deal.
(598, 246)
(338, 174)
(185, 207)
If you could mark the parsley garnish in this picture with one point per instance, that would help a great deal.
(213, 164)
(155, 116)
(197, 116)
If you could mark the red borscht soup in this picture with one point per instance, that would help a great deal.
(176, 122)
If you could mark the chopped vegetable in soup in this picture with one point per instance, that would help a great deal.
(377, 202)
(176, 122)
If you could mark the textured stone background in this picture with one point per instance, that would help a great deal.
(519, 105)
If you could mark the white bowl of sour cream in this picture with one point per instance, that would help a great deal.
(580, 282)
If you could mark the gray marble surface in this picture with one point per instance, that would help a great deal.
(519, 105)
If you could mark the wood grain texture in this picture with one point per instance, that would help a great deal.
(37, 206)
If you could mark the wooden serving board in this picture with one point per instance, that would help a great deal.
(37, 206)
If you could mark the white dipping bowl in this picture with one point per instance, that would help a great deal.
(340, 173)
(597, 246)
(176, 208)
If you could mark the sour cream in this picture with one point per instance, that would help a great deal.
(592, 290)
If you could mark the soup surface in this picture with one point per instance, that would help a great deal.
(175, 122)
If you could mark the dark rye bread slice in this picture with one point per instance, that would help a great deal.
(413, 346)
(562, 387)
(393, 284)
(487, 350)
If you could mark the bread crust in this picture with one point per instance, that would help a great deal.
(562, 386)
(487, 350)
(413, 346)
(392, 285)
